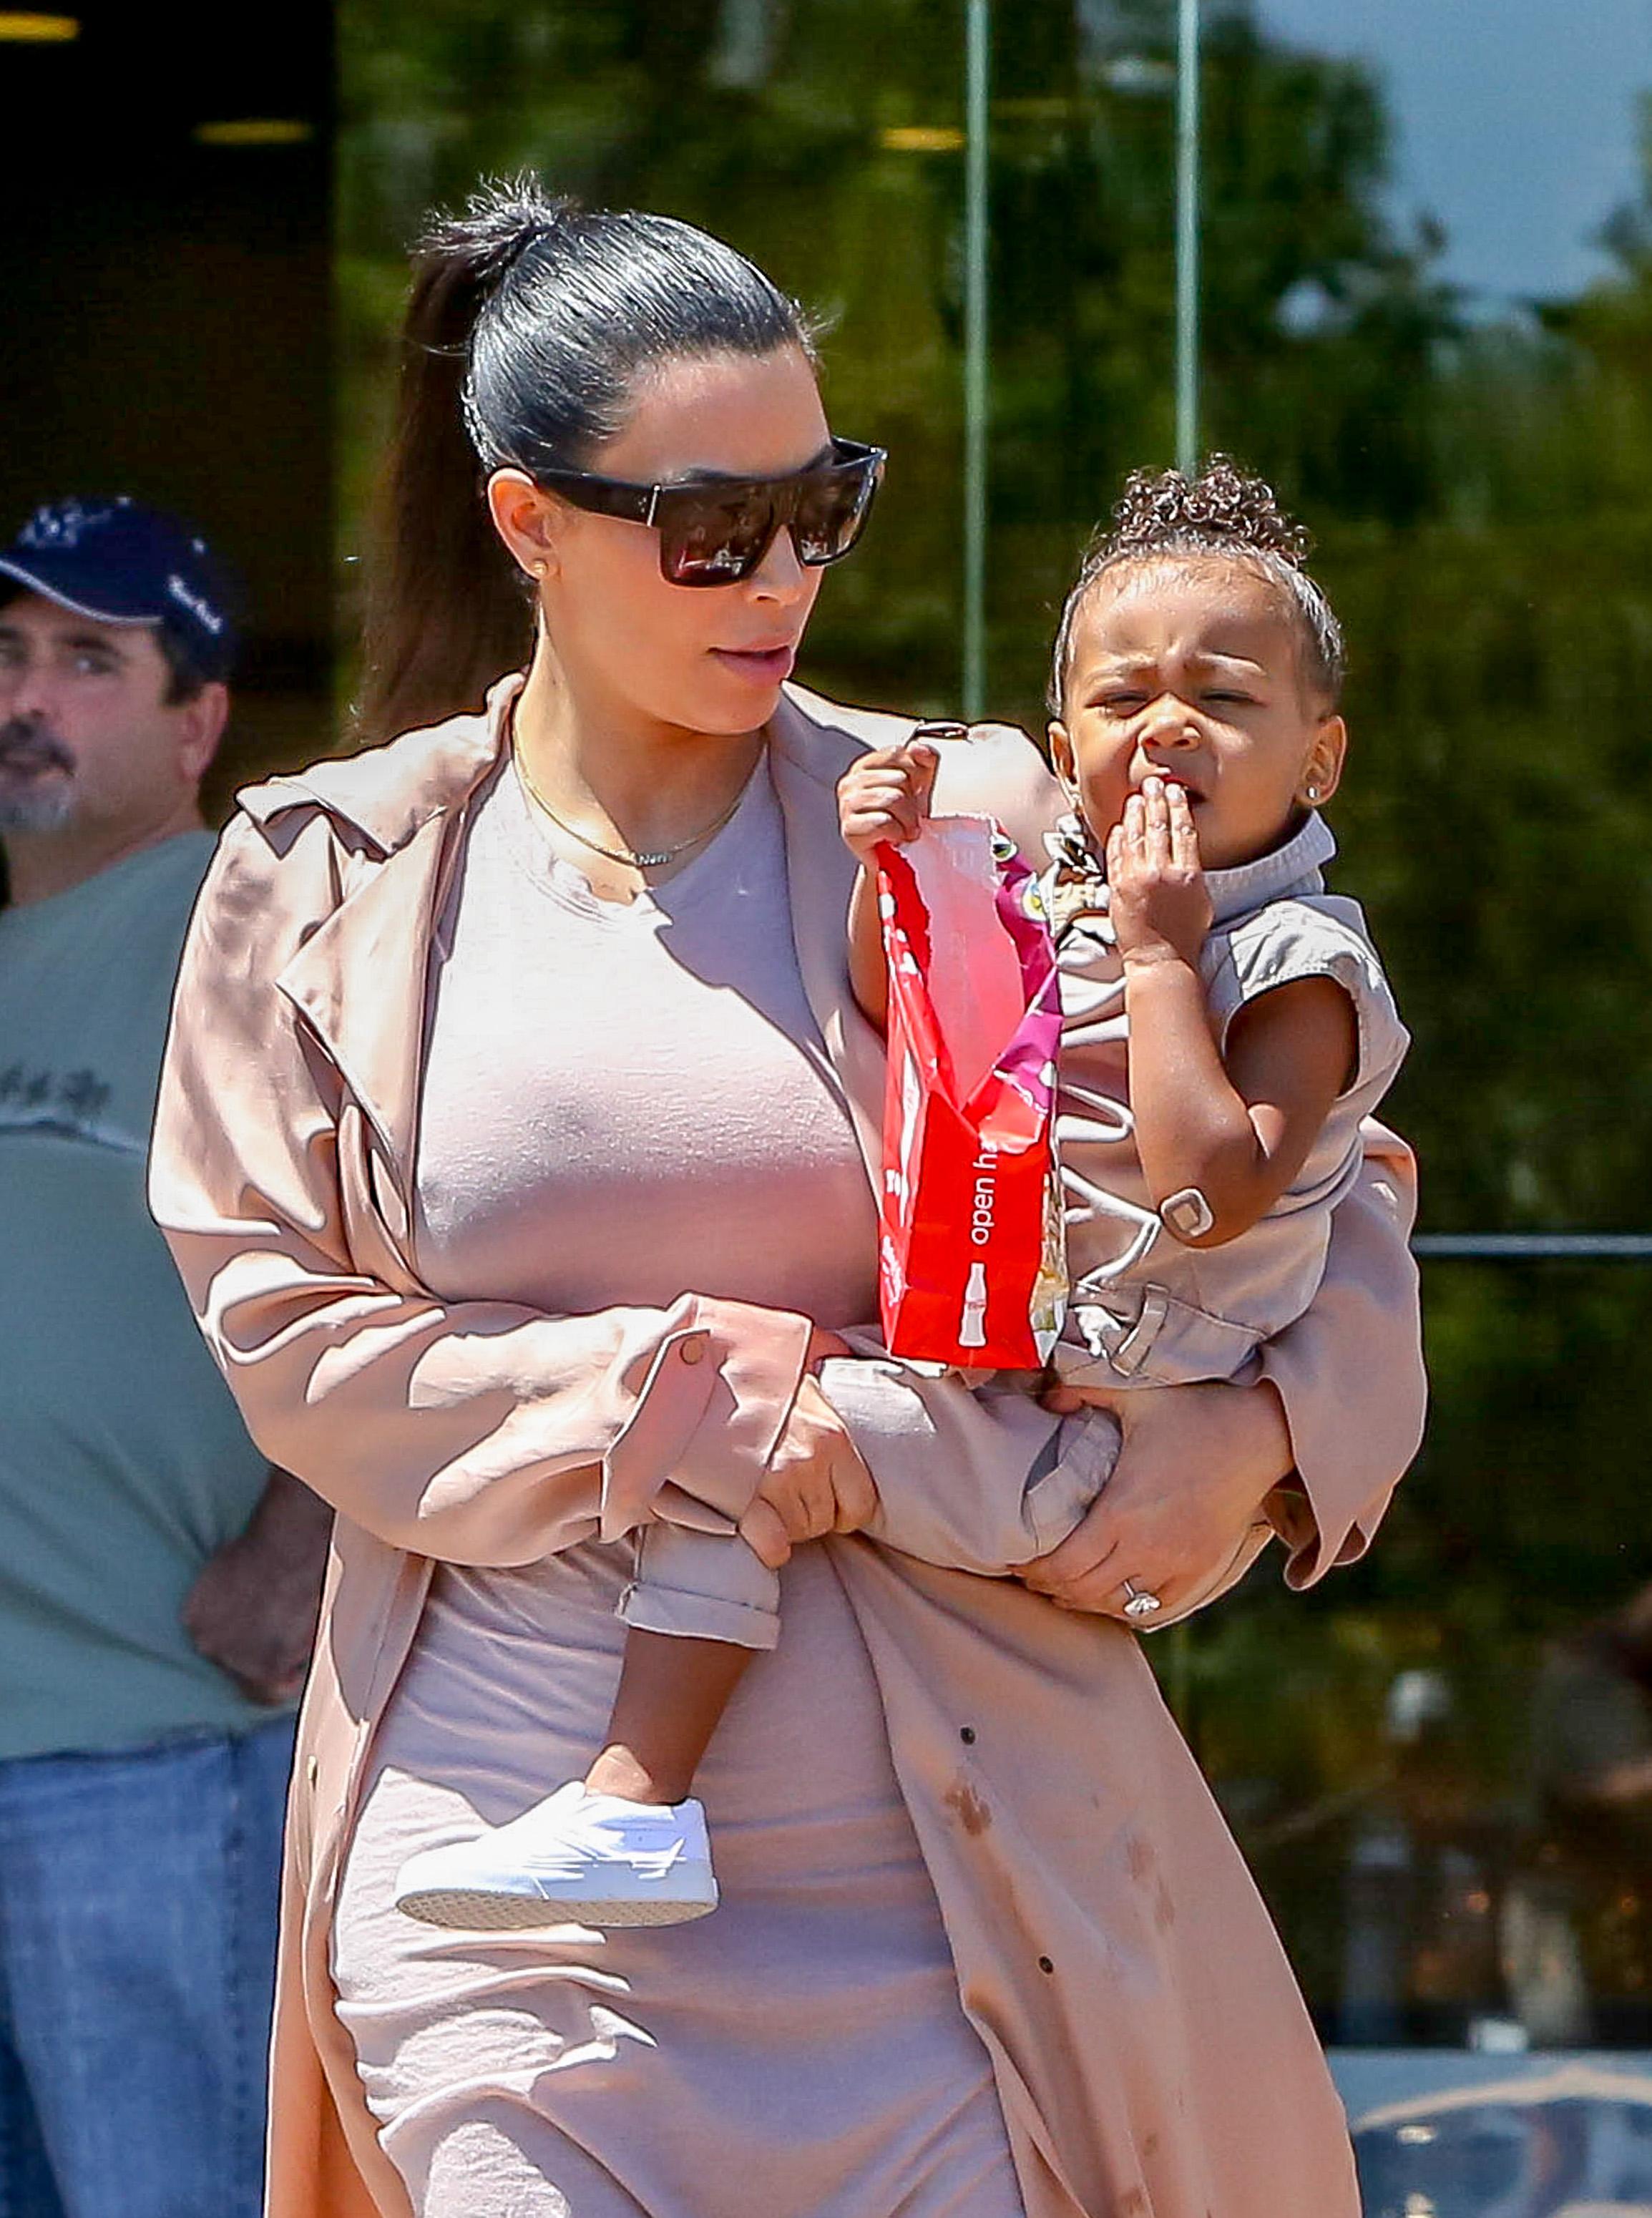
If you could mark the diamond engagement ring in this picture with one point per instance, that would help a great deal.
(1141, 1603)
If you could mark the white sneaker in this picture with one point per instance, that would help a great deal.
(574, 1859)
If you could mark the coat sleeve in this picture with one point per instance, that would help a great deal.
(475, 1432)
(1350, 1372)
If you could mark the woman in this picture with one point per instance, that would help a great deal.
(488, 1044)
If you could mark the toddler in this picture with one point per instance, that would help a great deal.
(1226, 1026)
(1226, 1023)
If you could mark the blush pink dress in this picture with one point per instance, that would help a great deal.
(620, 1104)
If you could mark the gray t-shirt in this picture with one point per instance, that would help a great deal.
(123, 1462)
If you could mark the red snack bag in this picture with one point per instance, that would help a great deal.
(970, 1257)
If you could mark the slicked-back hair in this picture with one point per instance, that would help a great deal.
(530, 322)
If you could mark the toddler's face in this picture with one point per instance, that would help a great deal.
(1188, 668)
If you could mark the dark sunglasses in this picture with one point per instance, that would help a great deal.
(716, 532)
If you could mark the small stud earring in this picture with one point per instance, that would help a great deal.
(540, 569)
(1313, 793)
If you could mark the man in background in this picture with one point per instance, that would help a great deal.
(159, 1580)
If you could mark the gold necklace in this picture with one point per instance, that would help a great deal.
(639, 858)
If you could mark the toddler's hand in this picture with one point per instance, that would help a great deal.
(1157, 897)
(886, 797)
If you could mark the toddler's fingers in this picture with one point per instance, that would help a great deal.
(854, 1491)
(877, 759)
(925, 759)
(1183, 832)
(866, 833)
(761, 1528)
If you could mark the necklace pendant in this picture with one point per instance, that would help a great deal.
(651, 862)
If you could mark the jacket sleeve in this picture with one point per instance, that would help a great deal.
(1350, 1372)
(475, 1432)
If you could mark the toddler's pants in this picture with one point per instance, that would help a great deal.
(710, 1585)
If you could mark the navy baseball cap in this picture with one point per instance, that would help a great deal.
(122, 563)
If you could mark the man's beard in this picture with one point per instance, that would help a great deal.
(37, 772)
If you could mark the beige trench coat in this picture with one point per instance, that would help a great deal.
(1151, 2053)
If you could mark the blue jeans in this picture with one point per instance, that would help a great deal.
(138, 1913)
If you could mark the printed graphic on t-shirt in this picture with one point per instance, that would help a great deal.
(70, 1103)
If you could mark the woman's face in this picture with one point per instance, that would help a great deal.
(706, 659)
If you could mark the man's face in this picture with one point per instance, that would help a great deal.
(88, 739)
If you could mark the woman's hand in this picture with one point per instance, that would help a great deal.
(816, 1482)
(1196, 1465)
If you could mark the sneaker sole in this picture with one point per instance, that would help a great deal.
(471, 1911)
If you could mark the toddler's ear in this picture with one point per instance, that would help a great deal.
(1322, 771)
(1061, 756)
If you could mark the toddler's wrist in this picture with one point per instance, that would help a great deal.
(1148, 956)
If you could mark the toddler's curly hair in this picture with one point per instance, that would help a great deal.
(1224, 510)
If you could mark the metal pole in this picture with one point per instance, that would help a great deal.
(1538, 1246)
(1187, 237)
(976, 397)
(1178, 1688)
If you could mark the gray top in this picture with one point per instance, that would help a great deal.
(123, 1462)
(1145, 1309)
(625, 1102)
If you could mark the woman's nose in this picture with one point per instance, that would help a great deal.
(781, 576)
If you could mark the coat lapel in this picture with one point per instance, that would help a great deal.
(360, 983)
(360, 979)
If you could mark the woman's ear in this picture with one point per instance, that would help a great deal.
(525, 516)
(1061, 756)
(1322, 771)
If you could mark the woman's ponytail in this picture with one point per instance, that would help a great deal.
(448, 611)
(529, 321)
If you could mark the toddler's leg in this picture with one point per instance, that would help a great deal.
(624, 1846)
(700, 1606)
(953, 1489)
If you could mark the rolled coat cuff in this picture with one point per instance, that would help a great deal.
(1317, 1523)
(715, 1399)
(1313, 1547)
(1349, 1372)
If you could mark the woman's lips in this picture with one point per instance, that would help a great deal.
(770, 665)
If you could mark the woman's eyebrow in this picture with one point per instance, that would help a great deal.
(821, 454)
